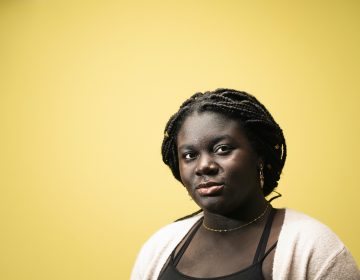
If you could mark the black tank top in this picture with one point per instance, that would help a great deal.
(253, 272)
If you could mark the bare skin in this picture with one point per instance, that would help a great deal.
(220, 170)
(240, 256)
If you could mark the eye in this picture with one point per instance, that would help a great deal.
(189, 156)
(223, 149)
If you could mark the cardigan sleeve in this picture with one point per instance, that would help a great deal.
(140, 265)
(341, 266)
(309, 250)
(153, 255)
(155, 252)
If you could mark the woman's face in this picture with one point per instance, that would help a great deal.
(217, 163)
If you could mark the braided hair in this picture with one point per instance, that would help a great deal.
(263, 132)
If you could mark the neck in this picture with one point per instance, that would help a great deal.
(246, 215)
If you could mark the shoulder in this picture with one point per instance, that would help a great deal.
(171, 232)
(301, 227)
(313, 237)
(307, 249)
(156, 250)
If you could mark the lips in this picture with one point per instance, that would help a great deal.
(210, 188)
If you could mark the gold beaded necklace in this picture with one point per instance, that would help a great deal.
(239, 227)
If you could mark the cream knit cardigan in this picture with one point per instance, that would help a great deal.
(306, 250)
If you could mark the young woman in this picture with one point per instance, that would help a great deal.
(227, 150)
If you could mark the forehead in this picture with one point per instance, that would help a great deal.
(203, 126)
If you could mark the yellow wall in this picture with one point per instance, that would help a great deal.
(87, 87)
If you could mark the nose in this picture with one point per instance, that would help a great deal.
(206, 166)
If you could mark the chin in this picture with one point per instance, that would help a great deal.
(214, 205)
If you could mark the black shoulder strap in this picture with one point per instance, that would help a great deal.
(260, 251)
(186, 244)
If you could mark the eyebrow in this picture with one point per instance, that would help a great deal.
(212, 142)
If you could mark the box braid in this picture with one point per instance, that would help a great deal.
(263, 132)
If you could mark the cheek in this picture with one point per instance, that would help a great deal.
(242, 171)
(184, 175)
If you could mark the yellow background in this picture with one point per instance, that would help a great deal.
(87, 87)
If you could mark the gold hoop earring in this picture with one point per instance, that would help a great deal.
(261, 175)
